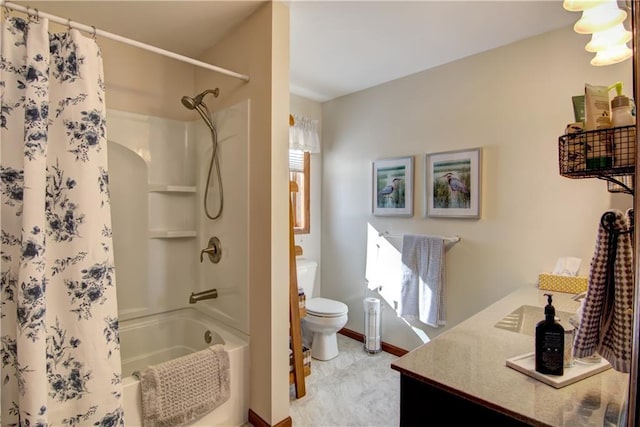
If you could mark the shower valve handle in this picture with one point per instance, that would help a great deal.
(214, 250)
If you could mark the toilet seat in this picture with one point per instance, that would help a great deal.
(324, 307)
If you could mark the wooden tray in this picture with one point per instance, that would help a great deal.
(526, 363)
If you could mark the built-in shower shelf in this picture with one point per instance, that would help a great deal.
(160, 188)
(171, 234)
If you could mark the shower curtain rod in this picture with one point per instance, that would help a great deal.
(92, 30)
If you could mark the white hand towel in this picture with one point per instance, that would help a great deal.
(422, 287)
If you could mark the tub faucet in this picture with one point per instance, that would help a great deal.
(199, 296)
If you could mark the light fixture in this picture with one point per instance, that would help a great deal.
(604, 20)
(615, 35)
(580, 5)
(612, 55)
(599, 18)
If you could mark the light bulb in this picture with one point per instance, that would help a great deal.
(600, 18)
(602, 40)
(580, 5)
(612, 55)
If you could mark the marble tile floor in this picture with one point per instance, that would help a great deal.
(352, 390)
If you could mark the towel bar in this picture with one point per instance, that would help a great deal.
(448, 239)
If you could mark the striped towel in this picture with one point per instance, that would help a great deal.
(606, 323)
(182, 390)
(422, 286)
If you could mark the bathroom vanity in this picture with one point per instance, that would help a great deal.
(462, 375)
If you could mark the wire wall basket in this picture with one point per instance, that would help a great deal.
(602, 153)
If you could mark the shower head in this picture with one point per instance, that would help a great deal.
(189, 102)
(192, 103)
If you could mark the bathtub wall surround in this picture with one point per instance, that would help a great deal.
(159, 226)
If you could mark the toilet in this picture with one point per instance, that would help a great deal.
(325, 317)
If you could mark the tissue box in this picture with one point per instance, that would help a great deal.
(569, 284)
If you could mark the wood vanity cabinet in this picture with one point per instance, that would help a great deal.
(420, 402)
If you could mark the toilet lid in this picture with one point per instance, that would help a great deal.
(325, 307)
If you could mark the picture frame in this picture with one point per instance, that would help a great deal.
(453, 183)
(392, 182)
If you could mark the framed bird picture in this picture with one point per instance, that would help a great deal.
(452, 184)
(393, 186)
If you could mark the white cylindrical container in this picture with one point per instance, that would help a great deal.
(624, 139)
(372, 322)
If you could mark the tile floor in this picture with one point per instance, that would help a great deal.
(354, 389)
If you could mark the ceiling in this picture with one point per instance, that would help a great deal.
(337, 47)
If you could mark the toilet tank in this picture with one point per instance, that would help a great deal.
(306, 271)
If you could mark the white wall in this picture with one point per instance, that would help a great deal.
(513, 102)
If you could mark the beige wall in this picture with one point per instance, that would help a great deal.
(259, 48)
(142, 82)
(513, 102)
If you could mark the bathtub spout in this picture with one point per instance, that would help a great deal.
(198, 296)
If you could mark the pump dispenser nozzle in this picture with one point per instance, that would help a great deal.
(618, 86)
(549, 310)
(619, 100)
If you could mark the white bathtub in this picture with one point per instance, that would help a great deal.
(161, 337)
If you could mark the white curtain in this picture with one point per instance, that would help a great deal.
(59, 327)
(303, 135)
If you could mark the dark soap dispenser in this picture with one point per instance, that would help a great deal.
(549, 343)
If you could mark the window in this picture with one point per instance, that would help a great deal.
(299, 173)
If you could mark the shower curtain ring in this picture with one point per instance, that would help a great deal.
(94, 32)
(68, 24)
(34, 15)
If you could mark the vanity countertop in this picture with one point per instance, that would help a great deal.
(469, 361)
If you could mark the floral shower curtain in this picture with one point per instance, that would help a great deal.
(58, 326)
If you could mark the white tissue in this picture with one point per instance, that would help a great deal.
(567, 266)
